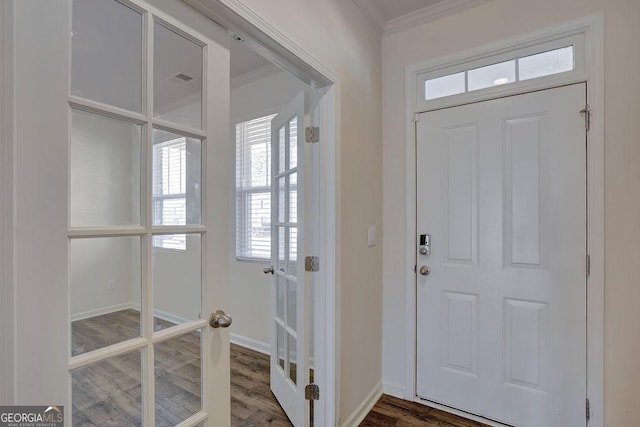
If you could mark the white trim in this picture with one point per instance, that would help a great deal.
(254, 75)
(373, 14)
(104, 310)
(360, 413)
(7, 323)
(428, 14)
(267, 40)
(593, 29)
(251, 344)
(394, 389)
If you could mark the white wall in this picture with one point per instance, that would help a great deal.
(104, 178)
(338, 35)
(250, 294)
(488, 23)
(6, 294)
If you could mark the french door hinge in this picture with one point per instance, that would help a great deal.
(587, 409)
(311, 134)
(312, 263)
(588, 264)
(312, 392)
(586, 112)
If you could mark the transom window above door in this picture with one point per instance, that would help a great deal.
(497, 73)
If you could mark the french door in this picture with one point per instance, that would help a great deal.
(122, 245)
(290, 321)
(501, 283)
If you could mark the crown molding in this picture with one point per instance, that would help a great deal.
(373, 14)
(254, 75)
(428, 14)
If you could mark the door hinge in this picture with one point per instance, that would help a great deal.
(312, 392)
(312, 263)
(587, 409)
(588, 264)
(586, 112)
(311, 134)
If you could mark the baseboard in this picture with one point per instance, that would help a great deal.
(104, 310)
(394, 389)
(177, 320)
(255, 345)
(364, 408)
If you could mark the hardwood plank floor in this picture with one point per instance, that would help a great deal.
(109, 393)
(390, 411)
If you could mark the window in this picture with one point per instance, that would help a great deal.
(521, 68)
(169, 191)
(253, 189)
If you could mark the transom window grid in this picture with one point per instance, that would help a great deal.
(144, 228)
(500, 73)
(253, 189)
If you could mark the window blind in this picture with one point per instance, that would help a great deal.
(253, 188)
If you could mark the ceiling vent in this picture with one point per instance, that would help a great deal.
(184, 77)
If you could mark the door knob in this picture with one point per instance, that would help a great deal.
(268, 270)
(424, 270)
(220, 319)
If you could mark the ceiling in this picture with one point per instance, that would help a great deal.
(244, 60)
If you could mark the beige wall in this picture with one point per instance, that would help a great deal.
(486, 24)
(336, 34)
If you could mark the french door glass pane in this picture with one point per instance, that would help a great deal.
(108, 393)
(177, 81)
(281, 199)
(293, 143)
(178, 379)
(106, 57)
(280, 343)
(281, 150)
(105, 292)
(177, 283)
(292, 305)
(104, 171)
(281, 284)
(177, 177)
(291, 354)
(281, 242)
(293, 251)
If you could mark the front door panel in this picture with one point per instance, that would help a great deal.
(501, 320)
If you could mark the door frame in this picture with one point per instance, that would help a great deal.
(264, 38)
(592, 29)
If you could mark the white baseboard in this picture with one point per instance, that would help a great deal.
(103, 310)
(259, 346)
(170, 317)
(394, 389)
(364, 408)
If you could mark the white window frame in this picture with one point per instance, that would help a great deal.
(589, 60)
(242, 189)
(444, 67)
(159, 240)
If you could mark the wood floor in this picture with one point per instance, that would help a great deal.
(109, 393)
(390, 411)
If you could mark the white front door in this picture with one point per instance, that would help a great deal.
(122, 148)
(501, 300)
(290, 285)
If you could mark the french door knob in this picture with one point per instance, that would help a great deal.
(424, 270)
(268, 270)
(220, 319)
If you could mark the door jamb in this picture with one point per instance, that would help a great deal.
(593, 29)
(267, 40)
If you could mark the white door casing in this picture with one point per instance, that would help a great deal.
(43, 362)
(501, 320)
(290, 308)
